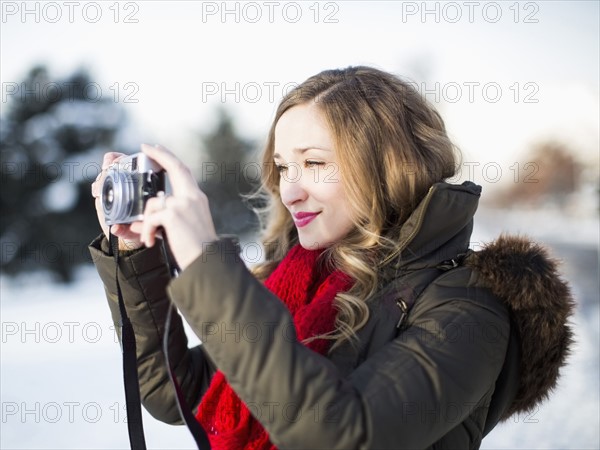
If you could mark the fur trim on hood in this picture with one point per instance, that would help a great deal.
(526, 278)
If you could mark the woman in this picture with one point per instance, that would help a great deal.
(370, 323)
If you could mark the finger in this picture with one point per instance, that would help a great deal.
(125, 232)
(136, 227)
(150, 228)
(180, 176)
(110, 158)
(97, 185)
(154, 216)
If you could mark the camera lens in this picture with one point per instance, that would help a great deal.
(117, 196)
(108, 194)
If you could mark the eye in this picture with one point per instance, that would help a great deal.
(312, 163)
(280, 167)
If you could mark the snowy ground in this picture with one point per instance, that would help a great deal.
(60, 364)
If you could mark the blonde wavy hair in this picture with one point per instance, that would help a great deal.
(393, 146)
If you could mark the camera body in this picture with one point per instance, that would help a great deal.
(128, 185)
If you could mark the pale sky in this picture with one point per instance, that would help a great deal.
(506, 74)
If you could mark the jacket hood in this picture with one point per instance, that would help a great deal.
(518, 271)
(526, 278)
(440, 227)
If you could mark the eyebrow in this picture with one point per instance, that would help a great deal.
(303, 149)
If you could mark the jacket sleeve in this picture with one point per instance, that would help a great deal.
(395, 399)
(143, 277)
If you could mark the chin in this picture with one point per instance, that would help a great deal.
(312, 243)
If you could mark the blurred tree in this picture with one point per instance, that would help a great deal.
(227, 175)
(51, 141)
(551, 175)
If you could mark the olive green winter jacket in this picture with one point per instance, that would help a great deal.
(485, 338)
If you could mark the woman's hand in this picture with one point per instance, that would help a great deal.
(128, 239)
(184, 216)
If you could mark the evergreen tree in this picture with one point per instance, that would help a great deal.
(227, 175)
(52, 138)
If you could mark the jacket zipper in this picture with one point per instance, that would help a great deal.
(403, 312)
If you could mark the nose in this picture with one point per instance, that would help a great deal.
(292, 190)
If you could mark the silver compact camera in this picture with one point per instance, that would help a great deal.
(128, 185)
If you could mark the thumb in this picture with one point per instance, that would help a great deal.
(109, 158)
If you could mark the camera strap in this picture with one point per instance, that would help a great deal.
(130, 374)
(198, 433)
(135, 425)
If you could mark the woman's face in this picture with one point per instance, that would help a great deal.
(310, 180)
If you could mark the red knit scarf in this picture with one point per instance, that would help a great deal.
(226, 419)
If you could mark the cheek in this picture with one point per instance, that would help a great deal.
(331, 193)
(345, 217)
(340, 206)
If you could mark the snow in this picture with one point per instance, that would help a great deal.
(571, 417)
(60, 363)
(61, 382)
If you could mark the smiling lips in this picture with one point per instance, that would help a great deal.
(302, 219)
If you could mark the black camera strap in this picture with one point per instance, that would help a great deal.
(133, 404)
(130, 374)
(185, 411)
